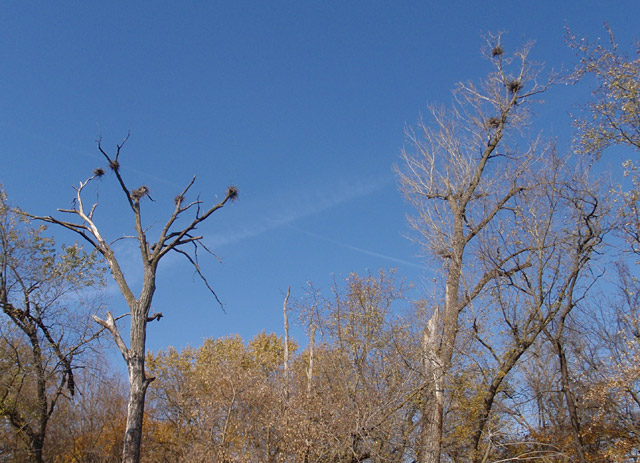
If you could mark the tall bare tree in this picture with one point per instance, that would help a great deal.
(561, 219)
(462, 172)
(172, 237)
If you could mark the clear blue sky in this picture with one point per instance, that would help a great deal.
(301, 104)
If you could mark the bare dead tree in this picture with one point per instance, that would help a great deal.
(172, 238)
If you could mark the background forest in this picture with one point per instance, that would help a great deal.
(519, 342)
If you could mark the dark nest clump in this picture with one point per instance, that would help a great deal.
(493, 123)
(514, 86)
(115, 165)
(497, 51)
(99, 172)
(140, 192)
(232, 192)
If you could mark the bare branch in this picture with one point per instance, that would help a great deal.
(114, 164)
(163, 247)
(110, 325)
(195, 265)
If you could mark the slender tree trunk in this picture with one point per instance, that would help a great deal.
(432, 400)
(490, 395)
(37, 439)
(312, 345)
(286, 344)
(571, 403)
(37, 445)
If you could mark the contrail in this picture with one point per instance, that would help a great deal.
(361, 250)
(310, 204)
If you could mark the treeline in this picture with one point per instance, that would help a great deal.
(356, 393)
(525, 346)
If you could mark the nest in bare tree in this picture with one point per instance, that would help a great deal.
(497, 51)
(232, 192)
(115, 165)
(493, 123)
(140, 192)
(514, 85)
(99, 172)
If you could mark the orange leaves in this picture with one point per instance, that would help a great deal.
(230, 401)
(613, 115)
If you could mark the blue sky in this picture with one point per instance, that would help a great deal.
(301, 105)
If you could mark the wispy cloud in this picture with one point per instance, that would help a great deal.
(362, 250)
(305, 204)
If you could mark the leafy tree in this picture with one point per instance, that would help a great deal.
(362, 401)
(171, 238)
(91, 428)
(41, 335)
(221, 401)
(610, 374)
(612, 117)
(227, 401)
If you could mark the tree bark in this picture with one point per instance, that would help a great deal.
(135, 357)
(439, 340)
(571, 404)
(567, 391)
(138, 384)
